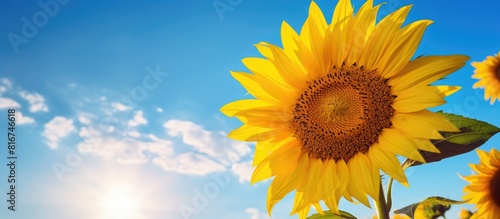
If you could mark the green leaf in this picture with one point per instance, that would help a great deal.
(430, 208)
(331, 215)
(473, 133)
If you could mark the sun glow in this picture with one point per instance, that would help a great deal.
(119, 202)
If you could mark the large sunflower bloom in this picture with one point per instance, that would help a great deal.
(338, 103)
(484, 187)
(488, 73)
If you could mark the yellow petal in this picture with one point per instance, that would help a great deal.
(364, 23)
(279, 162)
(355, 186)
(331, 184)
(417, 98)
(445, 91)
(264, 149)
(332, 204)
(413, 126)
(303, 214)
(232, 108)
(299, 203)
(289, 37)
(261, 172)
(264, 49)
(284, 160)
(338, 31)
(276, 122)
(338, 42)
(425, 145)
(269, 112)
(314, 175)
(314, 27)
(318, 208)
(382, 37)
(343, 175)
(434, 119)
(289, 69)
(331, 180)
(312, 35)
(249, 82)
(342, 11)
(392, 140)
(282, 185)
(402, 49)
(265, 68)
(388, 163)
(252, 133)
(370, 175)
(426, 70)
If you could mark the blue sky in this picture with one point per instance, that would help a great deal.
(120, 100)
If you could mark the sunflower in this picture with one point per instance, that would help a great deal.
(484, 187)
(400, 216)
(488, 73)
(430, 210)
(338, 103)
(464, 214)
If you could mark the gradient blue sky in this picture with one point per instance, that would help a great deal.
(168, 143)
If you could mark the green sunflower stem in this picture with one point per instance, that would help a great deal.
(389, 194)
(382, 207)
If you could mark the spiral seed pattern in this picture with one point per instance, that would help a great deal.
(342, 113)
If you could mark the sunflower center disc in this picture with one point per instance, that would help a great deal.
(495, 188)
(342, 113)
(498, 72)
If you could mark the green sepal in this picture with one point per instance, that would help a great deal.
(473, 133)
(331, 215)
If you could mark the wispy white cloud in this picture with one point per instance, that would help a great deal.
(22, 119)
(256, 214)
(109, 132)
(123, 150)
(8, 103)
(151, 149)
(6, 82)
(214, 144)
(133, 134)
(3, 89)
(159, 109)
(119, 106)
(243, 170)
(138, 119)
(84, 120)
(36, 101)
(189, 163)
(5, 85)
(57, 128)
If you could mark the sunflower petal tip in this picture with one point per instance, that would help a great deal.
(460, 176)
(261, 44)
(313, 3)
(269, 207)
(224, 110)
(405, 184)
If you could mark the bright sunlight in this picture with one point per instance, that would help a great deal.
(120, 202)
